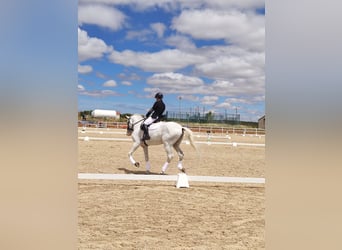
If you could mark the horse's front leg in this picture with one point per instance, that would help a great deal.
(148, 165)
(130, 154)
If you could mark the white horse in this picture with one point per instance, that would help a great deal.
(168, 133)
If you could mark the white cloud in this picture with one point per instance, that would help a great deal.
(233, 70)
(101, 75)
(227, 66)
(182, 84)
(180, 42)
(140, 5)
(162, 61)
(130, 76)
(110, 83)
(80, 87)
(84, 69)
(209, 100)
(176, 83)
(238, 103)
(233, 67)
(228, 88)
(227, 4)
(241, 28)
(99, 93)
(91, 47)
(141, 35)
(126, 83)
(190, 97)
(159, 28)
(101, 15)
(224, 105)
(171, 5)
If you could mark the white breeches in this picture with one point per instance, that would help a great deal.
(149, 120)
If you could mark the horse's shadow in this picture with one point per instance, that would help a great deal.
(129, 171)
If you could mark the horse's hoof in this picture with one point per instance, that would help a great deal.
(162, 173)
(137, 164)
(147, 172)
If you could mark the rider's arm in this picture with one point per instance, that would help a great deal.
(149, 113)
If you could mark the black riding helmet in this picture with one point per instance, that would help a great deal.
(159, 95)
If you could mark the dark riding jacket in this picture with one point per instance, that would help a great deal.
(157, 109)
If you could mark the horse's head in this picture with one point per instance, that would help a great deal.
(132, 121)
(130, 126)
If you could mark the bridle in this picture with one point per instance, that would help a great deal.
(131, 128)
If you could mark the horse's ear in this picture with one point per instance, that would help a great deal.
(127, 116)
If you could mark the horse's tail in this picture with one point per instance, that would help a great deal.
(190, 137)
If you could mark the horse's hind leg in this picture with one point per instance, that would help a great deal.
(180, 156)
(169, 153)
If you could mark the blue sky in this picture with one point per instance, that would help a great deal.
(208, 52)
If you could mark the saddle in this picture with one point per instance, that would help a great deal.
(145, 128)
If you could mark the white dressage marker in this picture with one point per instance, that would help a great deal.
(182, 181)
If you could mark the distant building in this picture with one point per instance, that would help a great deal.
(261, 122)
(105, 113)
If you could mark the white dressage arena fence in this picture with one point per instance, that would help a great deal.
(151, 177)
(234, 144)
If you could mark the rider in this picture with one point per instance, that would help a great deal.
(153, 114)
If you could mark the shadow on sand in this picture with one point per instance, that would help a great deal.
(129, 171)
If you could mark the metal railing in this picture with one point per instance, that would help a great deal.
(200, 128)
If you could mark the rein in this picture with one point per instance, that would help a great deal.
(132, 129)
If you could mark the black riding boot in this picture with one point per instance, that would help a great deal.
(146, 136)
